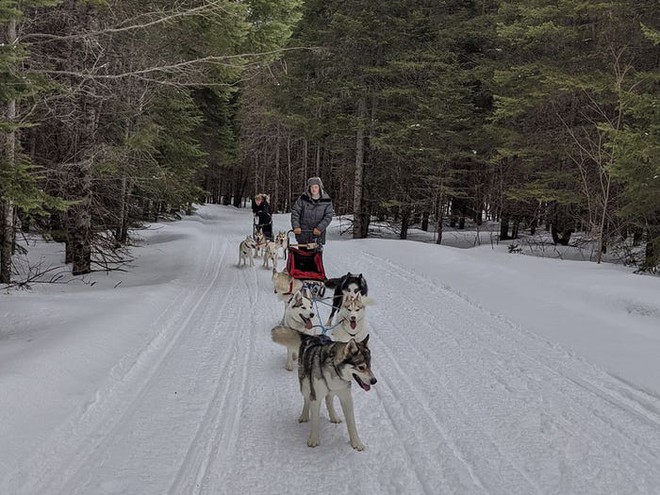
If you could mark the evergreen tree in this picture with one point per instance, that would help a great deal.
(565, 74)
(19, 189)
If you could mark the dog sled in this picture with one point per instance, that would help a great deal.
(305, 263)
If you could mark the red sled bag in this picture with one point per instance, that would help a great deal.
(305, 264)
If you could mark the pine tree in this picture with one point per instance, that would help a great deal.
(637, 148)
(563, 73)
(19, 187)
(388, 97)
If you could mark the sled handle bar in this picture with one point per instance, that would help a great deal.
(309, 245)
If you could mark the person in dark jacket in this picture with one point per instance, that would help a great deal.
(261, 210)
(312, 213)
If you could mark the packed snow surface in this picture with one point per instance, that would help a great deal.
(497, 373)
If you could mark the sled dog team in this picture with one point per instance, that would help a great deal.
(327, 364)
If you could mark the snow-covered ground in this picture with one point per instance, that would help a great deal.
(496, 373)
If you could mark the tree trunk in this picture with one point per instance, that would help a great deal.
(6, 240)
(478, 214)
(122, 200)
(121, 232)
(7, 228)
(425, 221)
(126, 215)
(515, 228)
(367, 207)
(305, 158)
(405, 223)
(601, 235)
(80, 220)
(504, 228)
(438, 220)
(359, 171)
(79, 224)
(239, 192)
(276, 191)
(289, 195)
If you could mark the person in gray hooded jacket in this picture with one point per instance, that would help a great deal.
(312, 213)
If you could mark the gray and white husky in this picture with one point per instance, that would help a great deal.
(246, 251)
(282, 242)
(298, 315)
(271, 253)
(326, 369)
(261, 242)
(349, 285)
(352, 319)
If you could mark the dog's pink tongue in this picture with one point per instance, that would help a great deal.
(353, 325)
(365, 386)
(308, 324)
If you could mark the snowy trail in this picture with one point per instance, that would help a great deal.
(540, 419)
(466, 402)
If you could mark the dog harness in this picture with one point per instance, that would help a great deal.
(290, 290)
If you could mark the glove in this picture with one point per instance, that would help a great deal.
(297, 231)
(316, 232)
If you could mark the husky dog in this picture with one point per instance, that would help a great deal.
(283, 242)
(245, 251)
(261, 243)
(326, 369)
(271, 253)
(349, 285)
(285, 284)
(352, 324)
(298, 315)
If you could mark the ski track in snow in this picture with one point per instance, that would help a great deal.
(518, 363)
(466, 401)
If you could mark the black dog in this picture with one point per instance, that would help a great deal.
(349, 285)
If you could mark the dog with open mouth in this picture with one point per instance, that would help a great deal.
(261, 242)
(326, 369)
(352, 319)
(349, 285)
(283, 242)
